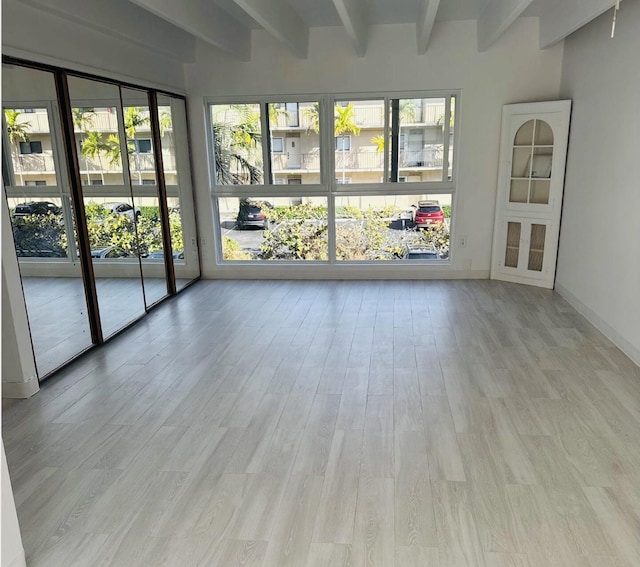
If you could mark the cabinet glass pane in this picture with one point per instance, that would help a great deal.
(544, 134)
(524, 135)
(513, 244)
(519, 191)
(521, 164)
(540, 189)
(536, 247)
(541, 165)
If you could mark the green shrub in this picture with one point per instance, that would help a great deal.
(231, 250)
(446, 209)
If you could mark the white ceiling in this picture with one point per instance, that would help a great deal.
(172, 26)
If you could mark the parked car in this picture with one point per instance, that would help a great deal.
(250, 214)
(123, 209)
(110, 252)
(36, 208)
(428, 213)
(417, 253)
(159, 255)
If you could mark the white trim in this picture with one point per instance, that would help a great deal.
(20, 389)
(599, 323)
(324, 271)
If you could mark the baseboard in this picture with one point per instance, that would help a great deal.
(365, 272)
(20, 389)
(18, 561)
(607, 330)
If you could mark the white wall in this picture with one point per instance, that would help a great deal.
(12, 554)
(513, 70)
(33, 34)
(599, 256)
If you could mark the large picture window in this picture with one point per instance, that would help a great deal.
(347, 157)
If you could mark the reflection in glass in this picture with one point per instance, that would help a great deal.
(29, 136)
(274, 228)
(393, 227)
(237, 139)
(175, 157)
(110, 212)
(41, 221)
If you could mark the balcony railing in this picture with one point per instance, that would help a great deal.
(308, 162)
(40, 163)
(426, 157)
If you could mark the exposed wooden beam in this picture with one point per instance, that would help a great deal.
(353, 14)
(495, 18)
(125, 21)
(278, 18)
(204, 20)
(424, 25)
(561, 19)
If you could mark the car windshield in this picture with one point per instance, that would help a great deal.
(432, 209)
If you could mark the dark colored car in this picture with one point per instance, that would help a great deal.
(110, 252)
(250, 214)
(159, 255)
(428, 213)
(36, 208)
(417, 253)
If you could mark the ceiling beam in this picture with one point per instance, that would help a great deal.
(125, 21)
(495, 18)
(204, 20)
(424, 25)
(353, 14)
(561, 19)
(279, 19)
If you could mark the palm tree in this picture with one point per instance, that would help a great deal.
(345, 124)
(17, 132)
(134, 119)
(237, 135)
(92, 147)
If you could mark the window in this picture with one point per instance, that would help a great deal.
(37, 183)
(30, 147)
(96, 182)
(343, 143)
(143, 145)
(293, 229)
(378, 143)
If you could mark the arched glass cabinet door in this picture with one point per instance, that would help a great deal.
(529, 198)
(531, 165)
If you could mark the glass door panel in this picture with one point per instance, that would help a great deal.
(512, 251)
(41, 218)
(109, 209)
(142, 168)
(177, 178)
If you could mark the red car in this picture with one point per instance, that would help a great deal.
(428, 213)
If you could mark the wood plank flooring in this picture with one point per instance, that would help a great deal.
(328, 424)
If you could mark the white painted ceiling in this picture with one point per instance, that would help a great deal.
(172, 26)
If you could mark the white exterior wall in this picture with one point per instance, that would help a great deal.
(513, 70)
(599, 256)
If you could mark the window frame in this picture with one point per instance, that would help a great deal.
(329, 186)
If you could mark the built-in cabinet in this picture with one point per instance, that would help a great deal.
(529, 198)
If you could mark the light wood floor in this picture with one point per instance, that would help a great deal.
(385, 424)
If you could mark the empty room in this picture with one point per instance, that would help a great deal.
(320, 283)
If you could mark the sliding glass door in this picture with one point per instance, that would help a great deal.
(97, 181)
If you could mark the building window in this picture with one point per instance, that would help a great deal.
(343, 143)
(277, 145)
(343, 180)
(35, 183)
(96, 182)
(294, 181)
(143, 145)
(30, 147)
